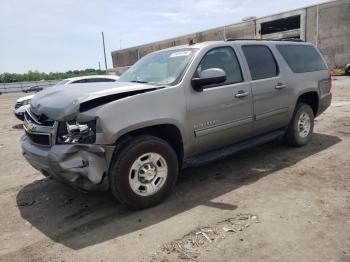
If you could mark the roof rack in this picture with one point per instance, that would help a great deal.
(281, 39)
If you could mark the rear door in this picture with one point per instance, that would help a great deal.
(269, 88)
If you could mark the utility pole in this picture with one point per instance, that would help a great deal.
(99, 65)
(104, 49)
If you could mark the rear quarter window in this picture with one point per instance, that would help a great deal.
(302, 58)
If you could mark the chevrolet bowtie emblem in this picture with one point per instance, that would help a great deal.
(29, 127)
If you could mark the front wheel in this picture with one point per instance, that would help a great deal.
(301, 126)
(144, 172)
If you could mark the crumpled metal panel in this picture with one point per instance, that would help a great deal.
(62, 103)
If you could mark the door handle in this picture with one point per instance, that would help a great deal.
(280, 86)
(241, 94)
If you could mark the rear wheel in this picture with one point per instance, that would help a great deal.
(301, 126)
(144, 172)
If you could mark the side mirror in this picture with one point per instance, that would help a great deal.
(208, 77)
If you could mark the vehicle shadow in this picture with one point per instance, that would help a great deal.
(78, 220)
(18, 126)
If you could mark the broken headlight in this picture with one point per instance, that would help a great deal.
(72, 132)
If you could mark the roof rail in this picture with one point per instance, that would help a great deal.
(290, 39)
(281, 39)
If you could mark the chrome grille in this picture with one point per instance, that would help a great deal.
(39, 130)
(40, 139)
(40, 120)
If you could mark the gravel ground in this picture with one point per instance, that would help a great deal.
(271, 203)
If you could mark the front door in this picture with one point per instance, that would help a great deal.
(221, 114)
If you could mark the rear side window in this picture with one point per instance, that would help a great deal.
(79, 81)
(261, 61)
(302, 58)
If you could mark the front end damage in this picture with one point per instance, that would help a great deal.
(64, 138)
(66, 151)
(83, 166)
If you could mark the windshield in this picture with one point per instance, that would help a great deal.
(161, 68)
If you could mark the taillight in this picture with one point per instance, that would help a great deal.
(330, 73)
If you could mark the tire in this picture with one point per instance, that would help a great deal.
(296, 135)
(133, 165)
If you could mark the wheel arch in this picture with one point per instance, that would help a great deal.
(311, 98)
(169, 132)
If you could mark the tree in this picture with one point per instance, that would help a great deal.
(37, 76)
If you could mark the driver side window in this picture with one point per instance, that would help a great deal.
(225, 59)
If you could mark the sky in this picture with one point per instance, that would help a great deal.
(56, 36)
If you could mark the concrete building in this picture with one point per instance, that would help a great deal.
(326, 25)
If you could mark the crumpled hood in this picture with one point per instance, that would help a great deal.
(62, 102)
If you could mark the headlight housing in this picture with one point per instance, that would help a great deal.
(73, 132)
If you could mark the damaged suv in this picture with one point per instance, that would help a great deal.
(178, 107)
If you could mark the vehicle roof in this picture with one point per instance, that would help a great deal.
(240, 41)
(92, 76)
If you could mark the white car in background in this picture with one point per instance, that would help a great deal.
(347, 69)
(23, 102)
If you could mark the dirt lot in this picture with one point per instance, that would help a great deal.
(271, 203)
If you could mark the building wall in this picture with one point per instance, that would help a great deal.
(326, 25)
(244, 30)
(311, 25)
(334, 32)
(126, 57)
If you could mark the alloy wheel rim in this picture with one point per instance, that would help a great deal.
(148, 174)
(304, 125)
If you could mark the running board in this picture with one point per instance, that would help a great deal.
(210, 156)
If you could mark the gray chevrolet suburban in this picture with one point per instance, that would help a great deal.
(178, 107)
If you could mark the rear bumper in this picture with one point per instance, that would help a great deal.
(324, 103)
(83, 166)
